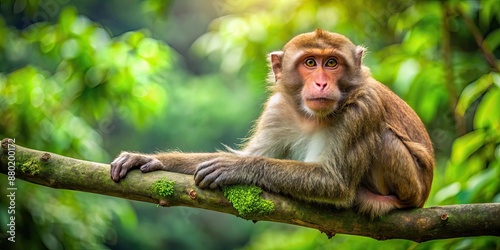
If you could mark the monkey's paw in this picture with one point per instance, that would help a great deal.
(218, 172)
(126, 161)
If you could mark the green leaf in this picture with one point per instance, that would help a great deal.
(496, 79)
(463, 171)
(67, 18)
(481, 182)
(492, 41)
(466, 145)
(488, 111)
(447, 192)
(473, 91)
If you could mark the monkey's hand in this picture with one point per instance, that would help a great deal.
(219, 172)
(126, 161)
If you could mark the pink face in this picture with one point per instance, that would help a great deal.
(320, 71)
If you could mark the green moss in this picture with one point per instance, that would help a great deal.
(163, 187)
(30, 166)
(247, 201)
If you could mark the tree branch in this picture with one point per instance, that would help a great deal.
(478, 37)
(418, 225)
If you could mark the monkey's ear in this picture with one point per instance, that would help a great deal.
(275, 59)
(359, 54)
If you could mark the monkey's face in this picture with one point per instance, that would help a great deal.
(319, 71)
(315, 69)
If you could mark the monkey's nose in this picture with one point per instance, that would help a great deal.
(321, 85)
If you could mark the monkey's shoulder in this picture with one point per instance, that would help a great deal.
(379, 96)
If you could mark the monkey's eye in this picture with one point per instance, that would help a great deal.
(331, 63)
(310, 62)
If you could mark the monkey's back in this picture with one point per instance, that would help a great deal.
(397, 113)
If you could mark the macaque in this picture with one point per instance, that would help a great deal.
(329, 133)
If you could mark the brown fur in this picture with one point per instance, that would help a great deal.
(330, 135)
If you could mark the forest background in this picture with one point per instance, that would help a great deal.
(88, 79)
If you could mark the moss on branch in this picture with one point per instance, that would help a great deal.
(163, 188)
(247, 200)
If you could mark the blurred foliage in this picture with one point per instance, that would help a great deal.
(61, 85)
(58, 70)
(88, 79)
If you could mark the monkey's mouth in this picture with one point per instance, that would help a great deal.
(320, 99)
(321, 104)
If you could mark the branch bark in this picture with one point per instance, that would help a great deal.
(418, 225)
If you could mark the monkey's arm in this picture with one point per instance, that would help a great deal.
(305, 181)
(184, 163)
